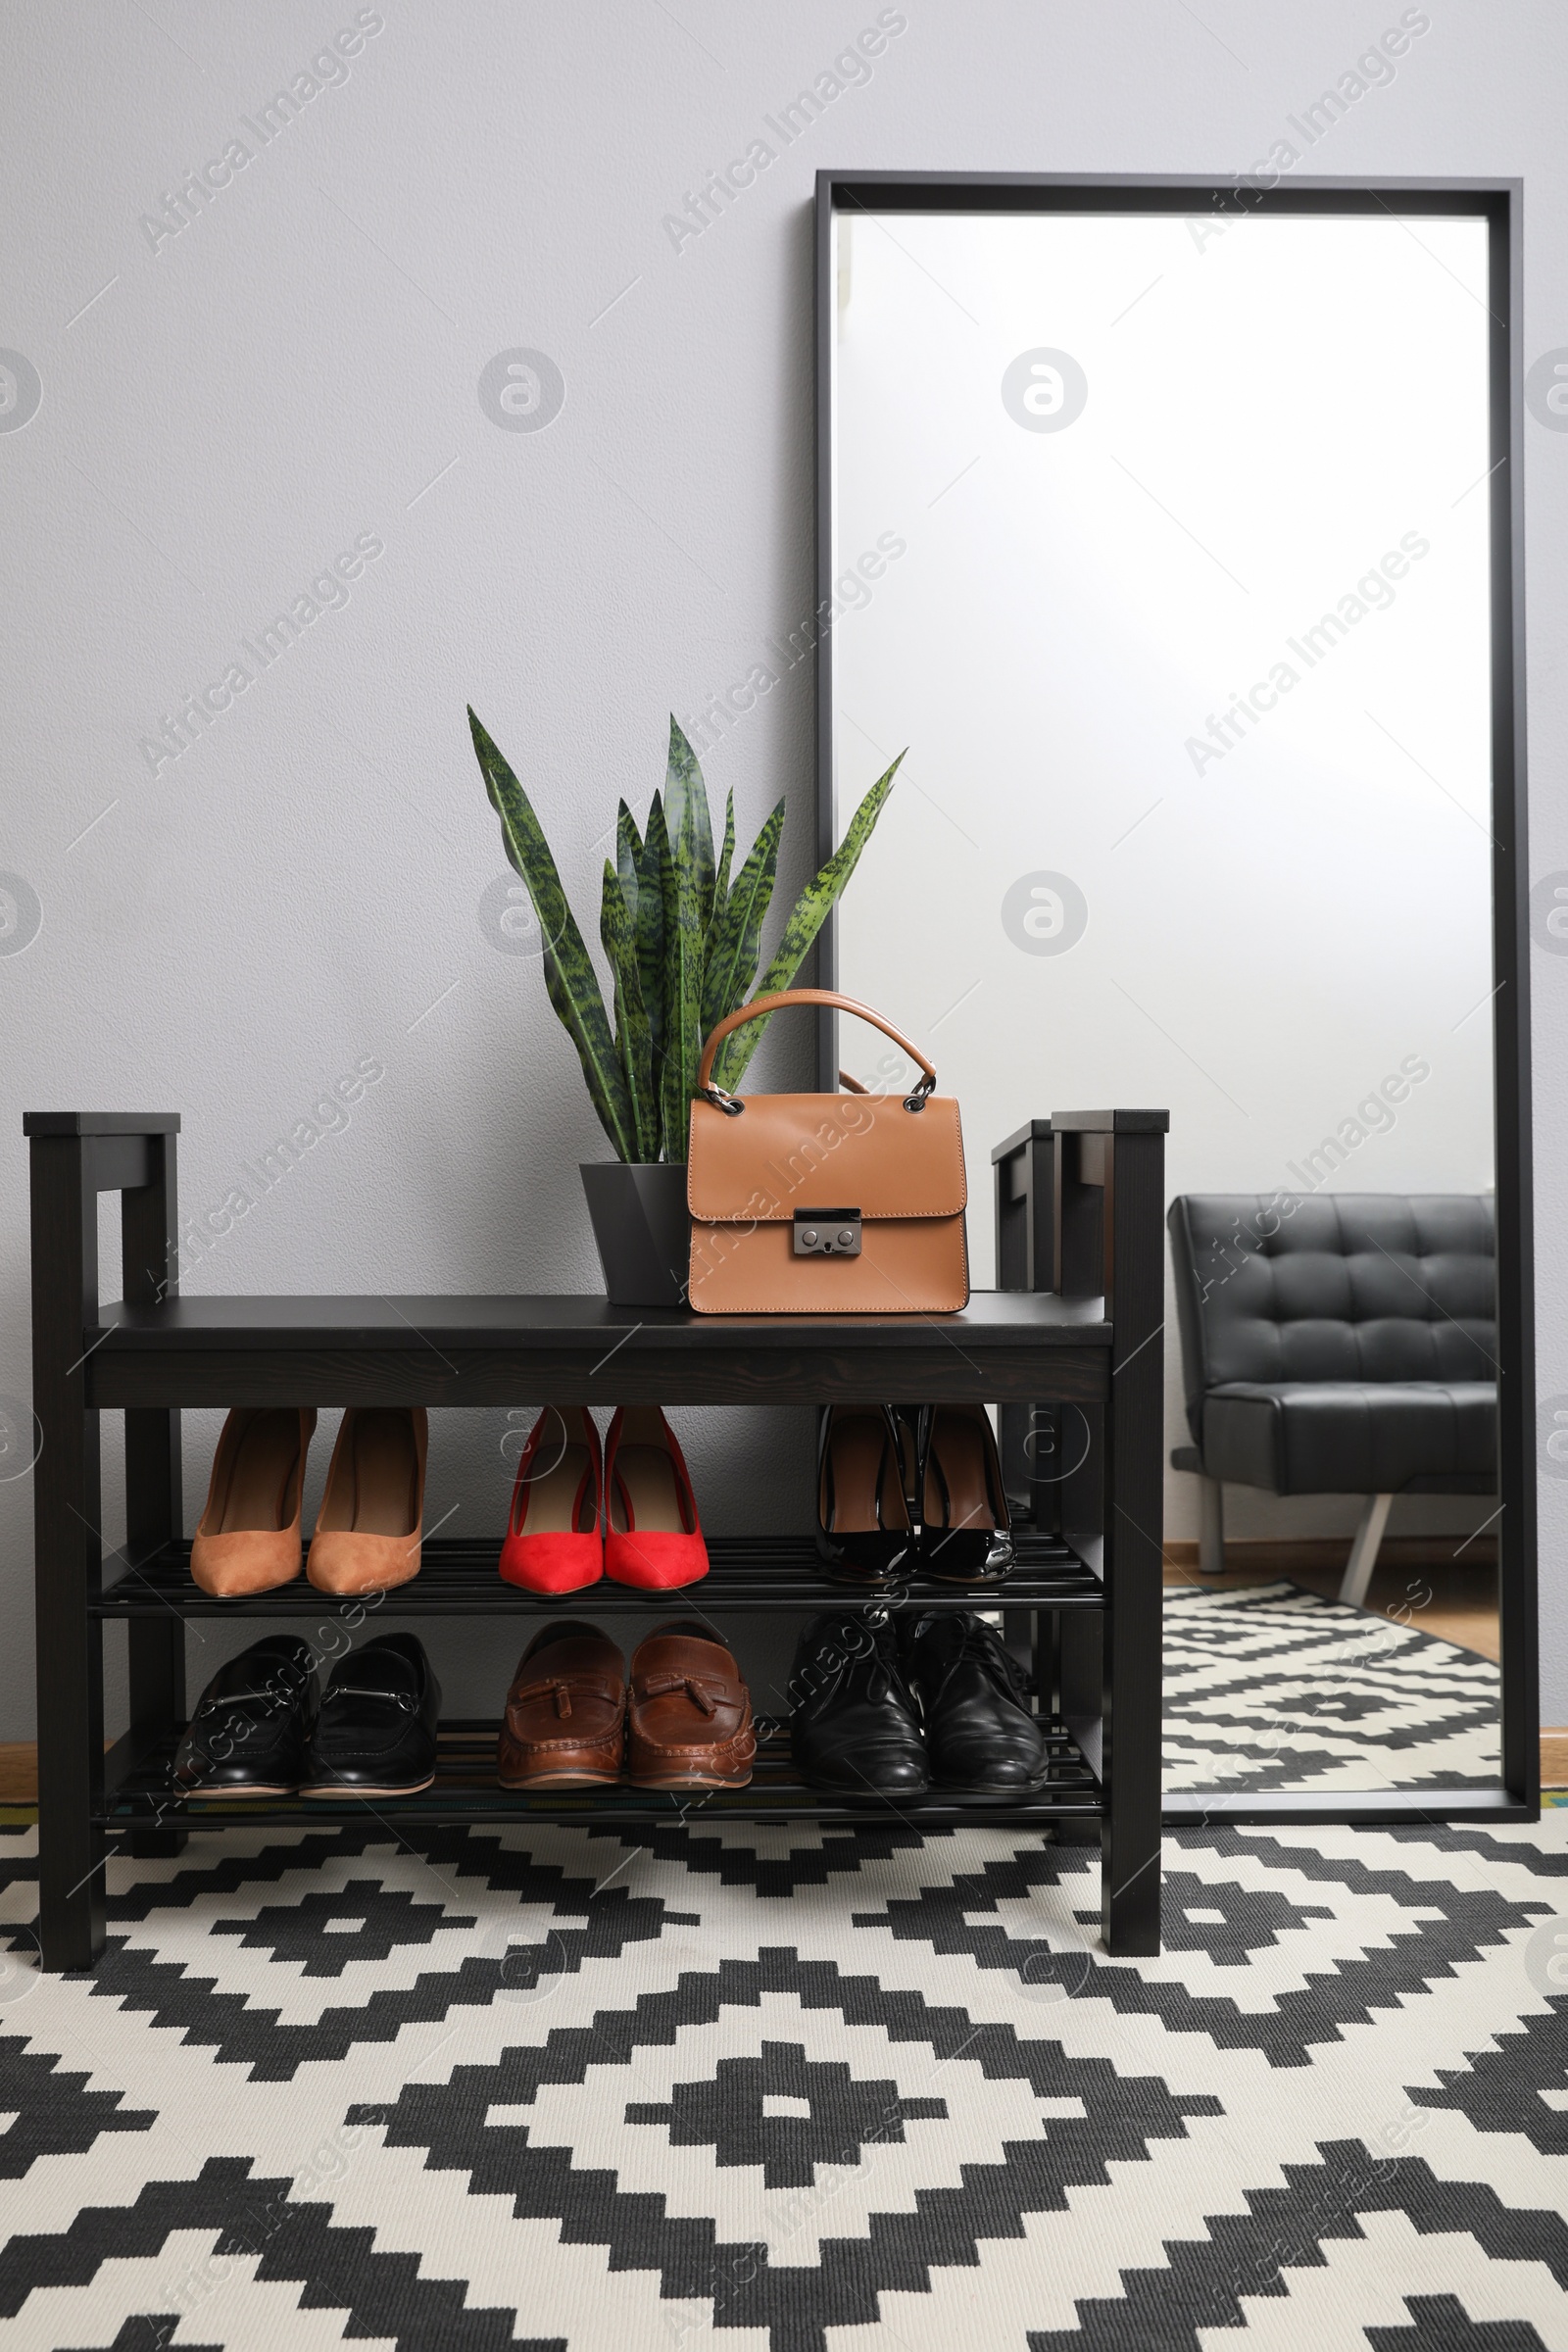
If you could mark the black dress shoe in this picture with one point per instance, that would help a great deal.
(854, 1726)
(965, 1530)
(864, 1535)
(251, 1726)
(979, 1732)
(376, 1732)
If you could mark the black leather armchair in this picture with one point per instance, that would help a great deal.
(1336, 1345)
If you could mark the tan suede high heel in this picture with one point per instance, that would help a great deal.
(248, 1540)
(370, 1528)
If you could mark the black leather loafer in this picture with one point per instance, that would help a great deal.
(965, 1531)
(376, 1732)
(251, 1726)
(979, 1732)
(854, 1726)
(864, 1535)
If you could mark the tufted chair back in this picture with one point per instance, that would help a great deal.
(1345, 1287)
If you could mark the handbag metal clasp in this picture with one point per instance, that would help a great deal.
(827, 1232)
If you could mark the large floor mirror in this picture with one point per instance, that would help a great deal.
(1174, 529)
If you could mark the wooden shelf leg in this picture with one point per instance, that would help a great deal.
(157, 1663)
(1110, 1242)
(154, 1516)
(69, 1555)
(1135, 1208)
(1021, 1640)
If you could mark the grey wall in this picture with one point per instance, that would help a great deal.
(227, 409)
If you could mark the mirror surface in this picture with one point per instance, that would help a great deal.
(1164, 544)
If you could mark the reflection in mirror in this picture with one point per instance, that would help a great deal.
(1164, 544)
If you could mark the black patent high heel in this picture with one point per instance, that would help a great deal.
(863, 1531)
(965, 1529)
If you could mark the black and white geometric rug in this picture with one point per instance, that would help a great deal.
(794, 2092)
(1270, 1687)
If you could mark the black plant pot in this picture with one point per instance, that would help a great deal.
(643, 1230)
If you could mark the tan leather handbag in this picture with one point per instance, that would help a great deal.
(826, 1204)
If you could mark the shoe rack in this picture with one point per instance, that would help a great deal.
(1071, 1338)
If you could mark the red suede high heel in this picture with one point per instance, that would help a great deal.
(653, 1536)
(553, 1541)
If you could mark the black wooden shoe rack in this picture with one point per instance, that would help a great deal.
(1069, 1346)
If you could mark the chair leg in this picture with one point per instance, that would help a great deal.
(1364, 1550)
(1210, 1527)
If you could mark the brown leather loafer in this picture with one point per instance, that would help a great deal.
(565, 1719)
(689, 1719)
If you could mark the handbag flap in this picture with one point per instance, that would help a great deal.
(788, 1152)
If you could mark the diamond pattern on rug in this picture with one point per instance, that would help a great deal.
(792, 2090)
(785, 2113)
(1272, 1686)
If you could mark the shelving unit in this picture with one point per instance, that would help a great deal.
(465, 1790)
(745, 1572)
(1081, 1611)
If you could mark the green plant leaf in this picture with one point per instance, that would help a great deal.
(810, 913)
(651, 926)
(629, 849)
(632, 1039)
(570, 981)
(686, 814)
(726, 859)
(736, 939)
(683, 998)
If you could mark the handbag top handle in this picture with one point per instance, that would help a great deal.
(760, 1007)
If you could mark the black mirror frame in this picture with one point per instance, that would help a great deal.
(1500, 203)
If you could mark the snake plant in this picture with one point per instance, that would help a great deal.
(682, 936)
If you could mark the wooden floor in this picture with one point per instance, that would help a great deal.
(1416, 1581)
